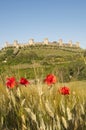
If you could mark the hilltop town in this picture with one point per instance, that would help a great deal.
(59, 43)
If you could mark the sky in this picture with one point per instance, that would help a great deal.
(38, 19)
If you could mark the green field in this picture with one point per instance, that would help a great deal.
(33, 61)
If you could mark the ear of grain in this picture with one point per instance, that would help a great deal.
(23, 102)
(18, 92)
(31, 114)
(42, 124)
(82, 109)
(69, 114)
(49, 111)
(58, 122)
(64, 122)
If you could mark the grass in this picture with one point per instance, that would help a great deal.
(38, 107)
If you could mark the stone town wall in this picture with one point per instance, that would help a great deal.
(60, 43)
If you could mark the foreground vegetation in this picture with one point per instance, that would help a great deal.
(45, 105)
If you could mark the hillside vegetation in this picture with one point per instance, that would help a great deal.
(37, 61)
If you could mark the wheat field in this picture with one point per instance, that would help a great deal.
(40, 107)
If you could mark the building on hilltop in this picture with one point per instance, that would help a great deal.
(6, 44)
(46, 41)
(59, 43)
(77, 44)
(15, 44)
(31, 42)
(70, 43)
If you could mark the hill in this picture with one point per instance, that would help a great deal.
(37, 61)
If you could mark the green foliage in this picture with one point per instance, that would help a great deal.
(9, 52)
(85, 53)
(77, 70)
(65, 61)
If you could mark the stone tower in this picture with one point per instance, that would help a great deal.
(46, 41)
(15, 44)
(60, 42)
(31, 42)
(6, 44)
(77, 44)
(70, 43)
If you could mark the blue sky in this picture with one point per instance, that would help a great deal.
(24, 19)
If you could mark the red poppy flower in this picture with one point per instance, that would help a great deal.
(50, 79)
(11, 82)
(64, 90)
(24, 81)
